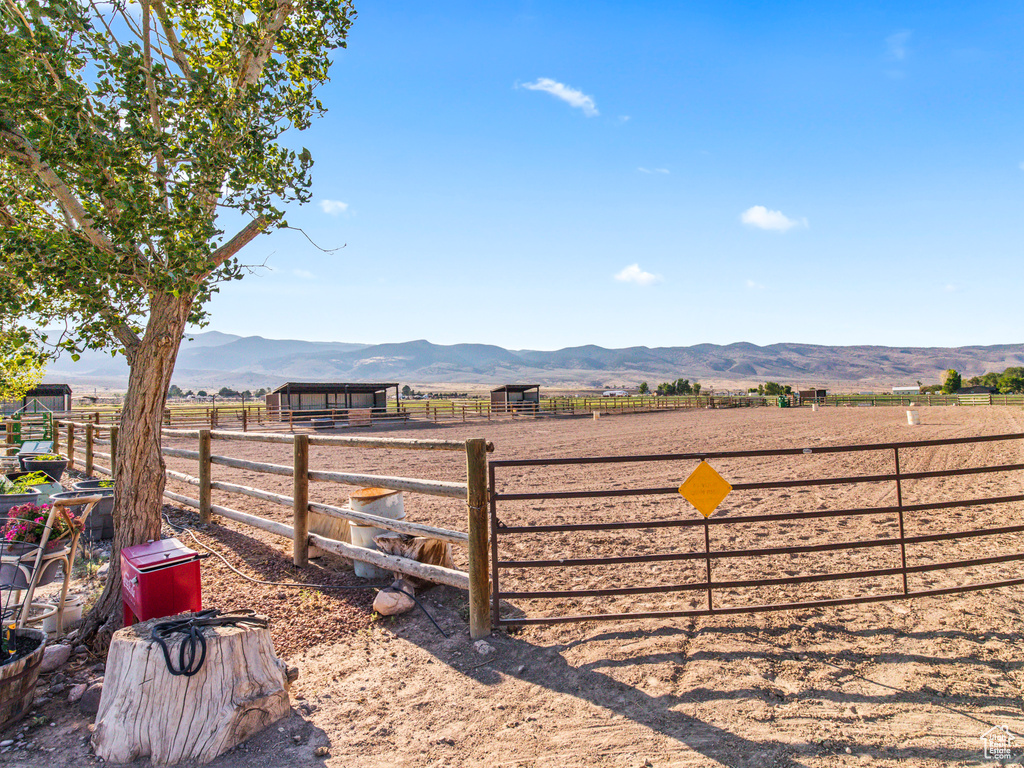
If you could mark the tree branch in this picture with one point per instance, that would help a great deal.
(245, 236)
(252, 64)
(14, 145)
(172, 39)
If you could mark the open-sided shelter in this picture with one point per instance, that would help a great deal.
(44, 397)
(332, 398)
(513, 397)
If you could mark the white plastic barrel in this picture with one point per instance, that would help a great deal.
(913, 418)
(381, 502)
(814, 407)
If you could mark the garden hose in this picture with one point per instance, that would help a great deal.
(192, 628)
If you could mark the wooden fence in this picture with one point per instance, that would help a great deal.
(87, 436)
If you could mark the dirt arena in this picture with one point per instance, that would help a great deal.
(901, 683)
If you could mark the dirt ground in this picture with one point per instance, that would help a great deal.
(900, 683)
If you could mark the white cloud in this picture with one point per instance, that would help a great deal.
(303, 273)
(950, 288)
(754, 285)
(1021, 166)
(896, 45)
(333, 207)
(633, 274)
(760, 217)
(570, 96)
(653, 170)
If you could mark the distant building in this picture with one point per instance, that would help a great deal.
(515, 397)
(915, 390)
(332, 398)
(812, 395)
(45, 397)
(978, 390)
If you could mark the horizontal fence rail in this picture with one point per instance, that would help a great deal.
(90, 434)
(769, 542)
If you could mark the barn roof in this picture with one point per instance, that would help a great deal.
(332, 387)
(515, 387)
(48, 390)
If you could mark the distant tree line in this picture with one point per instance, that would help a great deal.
(1010, 381)
(227, 392)
(771, 389)
(677, 387)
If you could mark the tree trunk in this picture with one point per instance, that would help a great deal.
(139, 466)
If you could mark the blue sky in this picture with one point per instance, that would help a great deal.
(547, 174)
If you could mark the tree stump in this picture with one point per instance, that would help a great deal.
(145, 710)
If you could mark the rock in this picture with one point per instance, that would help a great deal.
(54, 656)
(76, 692)
(90, 701)
(98, 667)
(321, 751)
(483, 647)
(6, 742)
(101, 572)
(80, 649)
(57, 687)
(392, 602)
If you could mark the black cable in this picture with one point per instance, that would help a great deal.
(192, 628)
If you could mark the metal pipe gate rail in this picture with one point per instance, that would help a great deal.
(896, 513)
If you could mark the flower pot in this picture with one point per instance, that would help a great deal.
(23, 457)
(54, 468)
(17, 556)
(100, 524)
(8, 500)
(96, 486)
(46, 490)
(18, 677)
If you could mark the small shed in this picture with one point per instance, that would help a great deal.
(331, 398)
(812, 395)
(514, 397)
(978, 390)
(906, 390)
(45, 397)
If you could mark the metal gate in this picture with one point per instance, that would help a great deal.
(918, 530)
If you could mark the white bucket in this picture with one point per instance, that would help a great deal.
(913, 418)
(814, 407)
(362, 536)
(72, 613)
(380, 502)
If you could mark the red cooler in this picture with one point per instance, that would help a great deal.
(159, 578)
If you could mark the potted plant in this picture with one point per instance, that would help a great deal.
(20, 538)
(21, 488)
(97, 486)
(21, 651)
(51, 463)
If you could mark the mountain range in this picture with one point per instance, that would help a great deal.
(214, 359)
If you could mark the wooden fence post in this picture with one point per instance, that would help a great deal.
(71, 444)
(10, 431)
(56, 436)
(476, 500)
(245, 421)
(300, 506)
(205, 477)
(113, 448)
(90, 432)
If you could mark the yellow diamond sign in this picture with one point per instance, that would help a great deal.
(705, 489)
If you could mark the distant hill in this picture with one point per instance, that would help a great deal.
(217, 359)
